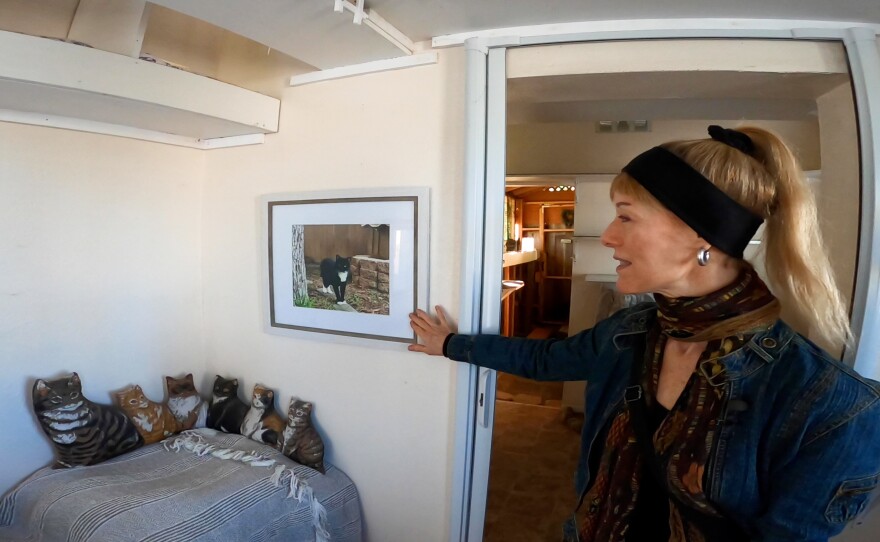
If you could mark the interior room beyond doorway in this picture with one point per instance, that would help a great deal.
(573, 122)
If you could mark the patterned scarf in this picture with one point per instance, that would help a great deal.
(726, 319)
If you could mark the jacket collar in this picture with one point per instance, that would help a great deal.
(764, 348)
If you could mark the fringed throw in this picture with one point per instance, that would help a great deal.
(283, 476)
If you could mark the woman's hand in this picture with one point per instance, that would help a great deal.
(432, 333)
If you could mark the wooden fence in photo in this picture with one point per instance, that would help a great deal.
(326, 241)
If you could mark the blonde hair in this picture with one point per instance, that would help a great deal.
(771, 184)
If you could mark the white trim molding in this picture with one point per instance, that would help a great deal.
(650, 28)
(864, 57)
(367, 67)
(120, 130)
(471, 287)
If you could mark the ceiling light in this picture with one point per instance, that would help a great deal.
(622, 126)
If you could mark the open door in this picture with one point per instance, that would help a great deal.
(548, 111)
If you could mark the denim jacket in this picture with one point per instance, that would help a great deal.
(798, 451)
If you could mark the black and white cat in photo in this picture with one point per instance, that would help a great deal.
(335, 274)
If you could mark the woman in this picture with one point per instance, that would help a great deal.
(708, 418)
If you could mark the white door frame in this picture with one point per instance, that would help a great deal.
(484, 186)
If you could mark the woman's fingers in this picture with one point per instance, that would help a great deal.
(441, 316)
(422, 321)
(419, 325)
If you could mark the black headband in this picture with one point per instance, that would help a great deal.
(714, 215)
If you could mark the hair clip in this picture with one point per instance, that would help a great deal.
(732, 138)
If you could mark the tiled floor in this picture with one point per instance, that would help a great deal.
(523, 390)
(531, 475)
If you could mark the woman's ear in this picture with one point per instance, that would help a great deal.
(700, 243)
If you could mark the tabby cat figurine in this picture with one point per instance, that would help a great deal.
(227, 411)
(185, 402)
(302, 443)
(262, 423)
(153, 420)
(83, 432)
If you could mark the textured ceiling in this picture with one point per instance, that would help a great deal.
(311, 31)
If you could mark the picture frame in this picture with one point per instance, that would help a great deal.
(346, 263)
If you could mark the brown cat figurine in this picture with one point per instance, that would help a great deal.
(262, 423)
(302, 443)
(185, 402)
(151, 419)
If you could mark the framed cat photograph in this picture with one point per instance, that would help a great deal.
(348, 263)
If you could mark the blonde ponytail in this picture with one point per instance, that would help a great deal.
(771, 184)
(795, 256)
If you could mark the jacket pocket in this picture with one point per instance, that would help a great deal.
(851, 498)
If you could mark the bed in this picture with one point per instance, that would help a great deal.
(201, 485)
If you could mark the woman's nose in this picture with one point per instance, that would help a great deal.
(608, 238)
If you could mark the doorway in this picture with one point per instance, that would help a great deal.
(535, 439)
(596, 105)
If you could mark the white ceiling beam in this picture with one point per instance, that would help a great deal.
(389, 32)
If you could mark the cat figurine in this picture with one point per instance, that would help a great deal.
(83, 432)
(335, 274)
(152, 420)
(185, 402)
(302, 443)
(262, 423)
(227, 411)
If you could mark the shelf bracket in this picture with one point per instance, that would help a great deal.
(373, 20)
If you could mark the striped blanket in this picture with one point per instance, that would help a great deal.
(202, 486)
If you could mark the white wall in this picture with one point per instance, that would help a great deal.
(575, 147)
(385, 413)
(100, 272)
(111, 245)
(838, 191)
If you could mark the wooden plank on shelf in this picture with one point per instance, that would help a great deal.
(540, 333)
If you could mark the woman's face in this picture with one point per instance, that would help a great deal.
(656, 251)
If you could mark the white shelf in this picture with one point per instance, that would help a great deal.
(53, 83)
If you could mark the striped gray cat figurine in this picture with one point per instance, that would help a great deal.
(83, 432)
